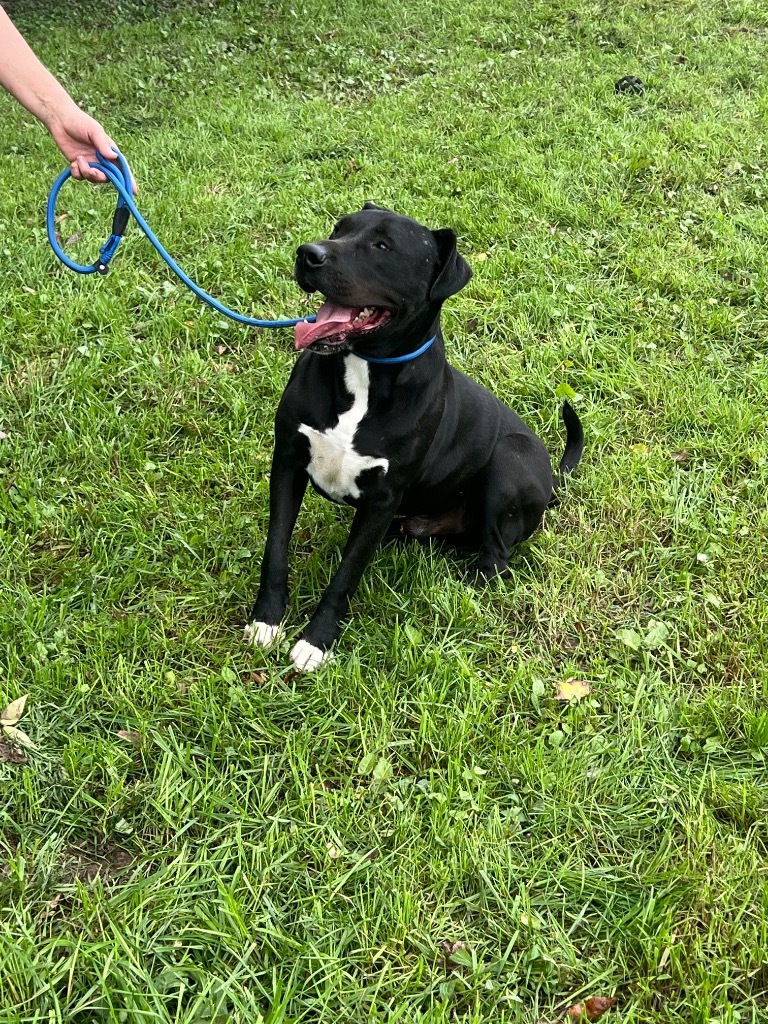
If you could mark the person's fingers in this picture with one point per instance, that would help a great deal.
(102, 142)
(109, 149)
(88, 173)
(95, 176)
(75, 169)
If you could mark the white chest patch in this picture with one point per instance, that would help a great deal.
(335, 464)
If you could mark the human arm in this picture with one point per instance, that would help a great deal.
(76, 133)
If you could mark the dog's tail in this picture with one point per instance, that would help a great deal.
(574, 447)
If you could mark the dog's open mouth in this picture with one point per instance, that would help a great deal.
(336, 325)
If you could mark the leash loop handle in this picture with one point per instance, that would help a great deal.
(118, 174)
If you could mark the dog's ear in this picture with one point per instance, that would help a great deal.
(375, 206)
(454, 271)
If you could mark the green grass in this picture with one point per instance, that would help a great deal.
(273, 848)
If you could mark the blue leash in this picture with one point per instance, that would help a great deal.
(119, 175)
(391, 360)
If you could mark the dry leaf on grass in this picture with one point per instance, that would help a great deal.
(573, 689)
(256, 678)
(10, 732)
(14, 711)
(11, 754)
(455, 954)
(51, 905)
(129, 736)
(453, 947)
(592, 1008)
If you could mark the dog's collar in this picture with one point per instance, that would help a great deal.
(398, 359)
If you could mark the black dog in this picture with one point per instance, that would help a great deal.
(376, 418)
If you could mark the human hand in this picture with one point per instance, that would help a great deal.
(79, 136)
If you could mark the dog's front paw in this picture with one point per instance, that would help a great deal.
(306, 658)
(260, 634)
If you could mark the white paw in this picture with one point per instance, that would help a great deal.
(260, 634)
(306, 657)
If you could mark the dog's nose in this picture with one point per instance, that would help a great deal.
(312, 254)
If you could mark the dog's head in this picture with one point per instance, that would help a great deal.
(384, 277)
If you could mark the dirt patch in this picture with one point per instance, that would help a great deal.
(108, 864)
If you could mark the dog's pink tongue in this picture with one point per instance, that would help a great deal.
(331, 319)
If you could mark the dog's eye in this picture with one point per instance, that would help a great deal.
(381, 245)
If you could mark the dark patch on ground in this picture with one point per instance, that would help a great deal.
(81, 866)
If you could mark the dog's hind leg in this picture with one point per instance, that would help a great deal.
(451, 522)
(517, 487)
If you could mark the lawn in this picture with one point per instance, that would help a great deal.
(420, 831)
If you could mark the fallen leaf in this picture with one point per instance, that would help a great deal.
(259, 678)
(573, 689)
(52, 904)
(455, 954)
(592, 1008)
(18, 737)
(452, 947)
(61, 217)
(682, 456)
(333, 851)
(11, 754)
(640, 449)
(220, 350)
(73, 238)
(14, 711)
(129, 736)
